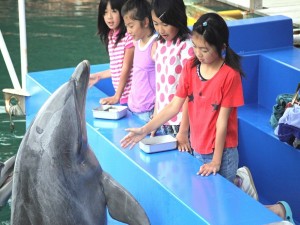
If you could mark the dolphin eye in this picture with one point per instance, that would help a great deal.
(39, 130)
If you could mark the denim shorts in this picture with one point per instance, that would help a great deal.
(168, 130)
(229, 165)
(145, 116)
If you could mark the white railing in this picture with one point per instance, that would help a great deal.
(9, 64)
(23, 42)
(18, 93)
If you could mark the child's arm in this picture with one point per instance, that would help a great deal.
(183, 133)
(137, 134)
(126, 68)
(95, 77)
(153, 50)
(153, 115)
(221, 131)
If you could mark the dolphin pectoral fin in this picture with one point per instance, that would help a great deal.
(6, 169)
(6, 173)
(122, 206)
(5, 193)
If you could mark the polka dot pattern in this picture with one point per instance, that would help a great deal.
(178, 69)
(164, 59)
(163, 79)
(171, 97)
(171, 79)
(166, 89)
(157, 87)
(162, 97)
(170, 59)
(174, 119)
(158, 68)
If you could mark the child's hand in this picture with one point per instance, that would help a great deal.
(109, 100)
(183, 142)
(134, 136)
(152, 134)
(209, 168)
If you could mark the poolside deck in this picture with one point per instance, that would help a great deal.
(290, 8)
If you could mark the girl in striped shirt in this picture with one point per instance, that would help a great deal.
(119, 45)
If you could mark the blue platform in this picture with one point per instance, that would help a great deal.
(272, 67)
(166, 183)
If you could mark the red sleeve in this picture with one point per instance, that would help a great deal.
(184, 80)
(233, 90)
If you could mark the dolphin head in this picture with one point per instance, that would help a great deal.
(55, 168)
(61, 120)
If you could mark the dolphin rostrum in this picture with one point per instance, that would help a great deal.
(57, 178)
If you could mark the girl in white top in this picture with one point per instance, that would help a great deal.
(119, 45)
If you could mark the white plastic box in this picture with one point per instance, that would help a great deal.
(158, 144)
(112, 112)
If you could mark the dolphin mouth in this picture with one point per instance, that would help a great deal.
(80, 77)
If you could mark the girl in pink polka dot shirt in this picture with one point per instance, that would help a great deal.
(174, 48)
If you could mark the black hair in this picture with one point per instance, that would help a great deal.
(215, 32)
(172, 12)
(103, 29)
(139, 9)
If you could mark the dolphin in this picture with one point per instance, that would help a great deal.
(6, 173)
(57, 178)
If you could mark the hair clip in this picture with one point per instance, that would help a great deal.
(204, 24)
(162, 15)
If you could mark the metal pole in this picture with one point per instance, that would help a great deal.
(255, 4)
(9, 64)
(23, 42)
